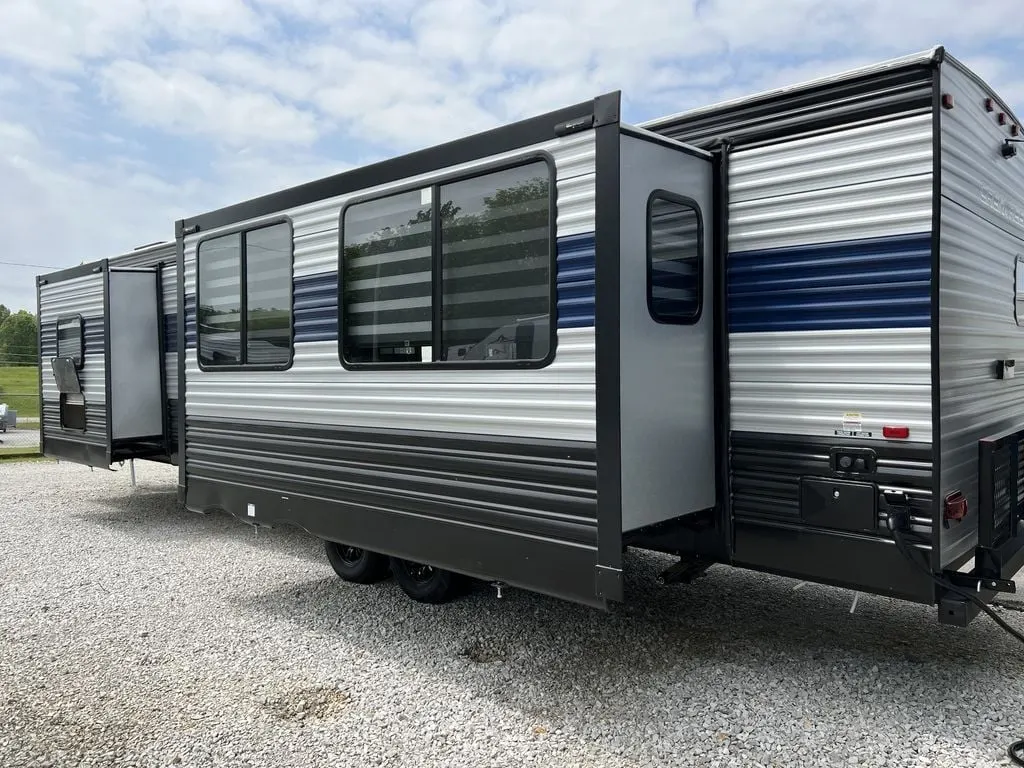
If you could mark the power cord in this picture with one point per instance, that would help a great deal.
(1015, 750)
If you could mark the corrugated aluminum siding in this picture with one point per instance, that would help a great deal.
(555, 402)
(829, 271)
(982, 235)
(82, 296)
(891, 89)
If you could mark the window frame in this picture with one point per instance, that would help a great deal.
(81, 337)
(434, 182)
(674, 197)
(1018, 294)
(242, 229)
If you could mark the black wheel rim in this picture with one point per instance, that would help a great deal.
(351, 555)
(419, 572)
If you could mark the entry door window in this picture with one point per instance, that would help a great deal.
(675, 248)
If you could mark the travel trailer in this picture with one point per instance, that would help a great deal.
(109, 359)
(777, 333)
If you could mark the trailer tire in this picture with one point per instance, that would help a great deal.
(360, 566)
(426, 584)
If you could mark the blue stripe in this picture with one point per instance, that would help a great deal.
(170, 333)
(316, 296)
(849, 285)
(316, 307)
(575, 281)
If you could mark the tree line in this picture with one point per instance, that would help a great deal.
(19, 337)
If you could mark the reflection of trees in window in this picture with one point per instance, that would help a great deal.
(674, 257)
(262, 315)
(387, 280)
(495, 271)
(496, 267)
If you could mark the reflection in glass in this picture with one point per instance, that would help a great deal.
(386, 279)
(496, 265)
(674, 258)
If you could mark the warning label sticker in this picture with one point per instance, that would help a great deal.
(853, 426)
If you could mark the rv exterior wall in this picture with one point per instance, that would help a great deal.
(827, 237)
(555, 402)
(136, 398)
(76, 296)
(981, 239)
(165, 255)
(486, 470)
(667, 399)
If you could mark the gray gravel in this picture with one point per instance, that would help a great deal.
(135, 634)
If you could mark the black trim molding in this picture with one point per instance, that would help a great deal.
(489, 143)
(92, 268)
(607, 242)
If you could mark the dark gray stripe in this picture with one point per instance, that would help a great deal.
(766, 472)
(770, 533)
(899, 91)
(514, 510)
(172, 424)
(543, 488)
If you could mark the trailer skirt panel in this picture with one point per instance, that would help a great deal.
(521, 511)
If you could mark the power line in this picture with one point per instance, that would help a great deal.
(23, 264)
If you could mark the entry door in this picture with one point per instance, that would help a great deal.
(667, 343)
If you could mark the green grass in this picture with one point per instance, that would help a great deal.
(19, 388)
(20, 454)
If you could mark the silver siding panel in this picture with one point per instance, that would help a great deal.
(802, 382)
(170, 309)
(844, 211)
(859, 155)
(555, 402)
(148, 256)
(136, 400)
(978, 249)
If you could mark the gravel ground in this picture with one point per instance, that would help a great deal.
(136, 634)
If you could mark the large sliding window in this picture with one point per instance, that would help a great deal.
(244, 299)
(457, 272)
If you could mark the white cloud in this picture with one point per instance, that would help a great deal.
(275, 92)
(183, 102)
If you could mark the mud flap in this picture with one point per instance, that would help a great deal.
(1000, 551)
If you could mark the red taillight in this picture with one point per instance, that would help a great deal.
(896, 433)
(1001, 118)
(990, 105)
(947, 100)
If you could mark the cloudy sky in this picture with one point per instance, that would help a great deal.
(119, 116)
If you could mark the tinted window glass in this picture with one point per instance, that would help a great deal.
(386, 279)
(69, 339)
(674, 261)
(496, 265)
(218, 314)
(268, 295)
